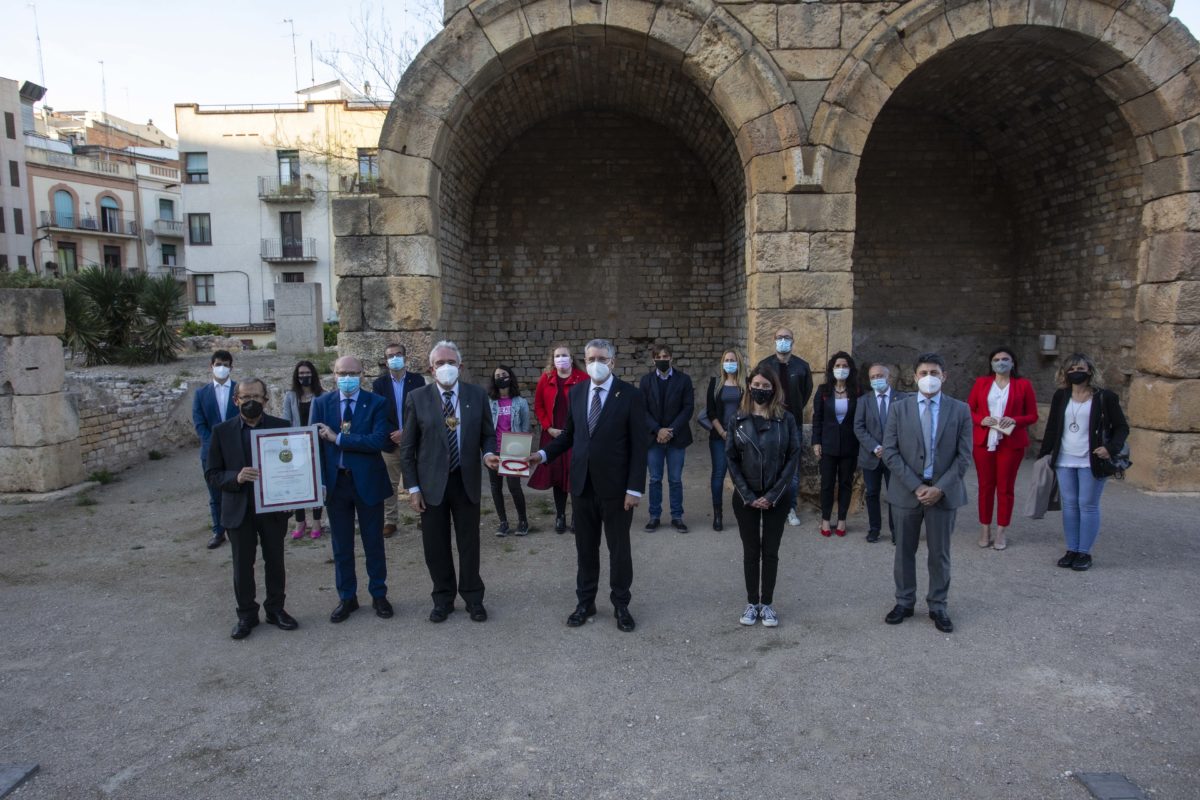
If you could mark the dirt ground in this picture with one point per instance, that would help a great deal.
(118, 676)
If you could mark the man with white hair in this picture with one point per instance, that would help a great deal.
(447, 427)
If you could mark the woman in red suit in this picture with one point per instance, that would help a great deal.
(1003, 407)
(550, 406)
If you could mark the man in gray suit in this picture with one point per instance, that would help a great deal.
(869, 417)
(447, 426)
(926, 447)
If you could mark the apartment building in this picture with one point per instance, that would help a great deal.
(16, 223)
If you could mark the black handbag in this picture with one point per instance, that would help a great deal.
(1115, 465)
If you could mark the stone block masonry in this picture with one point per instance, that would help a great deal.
(122, 419)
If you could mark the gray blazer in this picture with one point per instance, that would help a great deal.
(291, 409)
(904, 451)
(868, 427)
(424, 456)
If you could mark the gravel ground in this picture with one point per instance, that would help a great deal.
(118, 676)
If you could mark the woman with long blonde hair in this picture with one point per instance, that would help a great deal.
(721, 402)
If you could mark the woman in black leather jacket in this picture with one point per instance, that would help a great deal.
(762, 446)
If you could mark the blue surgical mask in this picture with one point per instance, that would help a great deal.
(1002, 366)
(879, 384)
(783, 345)
(729, 366)
(396, 363)
(348, 384)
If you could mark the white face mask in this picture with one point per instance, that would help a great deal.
(841, 373)
(929, 384)
(783, 345)
(447, 374)
(562, 362)
(599, 371)
(220, 372)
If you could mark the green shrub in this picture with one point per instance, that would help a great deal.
(156, 455)
(271, 345)
(102, 477)
(193, 328)
(331, 333)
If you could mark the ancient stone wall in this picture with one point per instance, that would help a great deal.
(121, 420)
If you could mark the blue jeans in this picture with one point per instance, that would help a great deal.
(716, 449)
(654, 461)
(1080, 491)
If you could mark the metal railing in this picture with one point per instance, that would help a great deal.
(98, 166)
(359, 184)
(272, 189)
(113, 224)
(284, 250)
(169, 227)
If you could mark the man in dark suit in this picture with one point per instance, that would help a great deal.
(670, 401)
(394, 386)
(870, 417)
(353, 426)
(230, 473)
(447, 426)
(212, 405)
(927, 448)
(796, 376)
(606, 434)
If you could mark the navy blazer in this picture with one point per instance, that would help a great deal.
(382, 386)
(206, 415)
(836, 439)
(615, 455)
(360, 448)
(673, 411)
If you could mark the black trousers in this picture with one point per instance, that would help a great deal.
(837, 471)
(514, 488)
(596, 516)
(762, 533)
(458, 509)
(876, 480)
(267, 531)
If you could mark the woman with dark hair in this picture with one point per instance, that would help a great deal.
(1085, 429)
(306, 385)
(551, 407)
(762, 448)
(510, 414)
(834, 442)
(1003, 406)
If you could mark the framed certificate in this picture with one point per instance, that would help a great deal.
(289, 464)
(514, 453)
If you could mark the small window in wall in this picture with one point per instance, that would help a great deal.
(168, 255)
(110, 216)
(18, 221)
(112, 257)
(199, 229)
(3, 263)
(166, 209)
(204, 289)
(10, 125)
(293, 277)
(22, 262)
(64, 209)
(14, 173)
(196, 167)
(289, 167)
(368, 166)
(2, 222)
(68, 263)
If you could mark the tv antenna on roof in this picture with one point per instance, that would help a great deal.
(295, 63)
(37, 33)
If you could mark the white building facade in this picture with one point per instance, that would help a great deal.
(16, 222)
(258, 184)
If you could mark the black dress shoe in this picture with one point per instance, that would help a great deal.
(478, 613)
(941, 621)
(872, 536)
(1068, 559)
(1082, 563)
(282, 620)
(243, 627)
(383, 609)
(580, 615)
(439, 613)
(897, 615)
(344, 610)
(216, 541)
(560, 524)
(652, 525)
(624, 618)
(678, 525)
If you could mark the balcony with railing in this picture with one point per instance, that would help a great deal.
(170, 228)
(111, 223)
(292, 190)
(95, 166)
(286, 251)
(157, 172)
(359, 184)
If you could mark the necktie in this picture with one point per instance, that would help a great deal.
(883, 408)
(594, 411)
(927, 432)
(451, 433)
(347, 414)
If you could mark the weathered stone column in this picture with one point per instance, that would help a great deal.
(39, 428)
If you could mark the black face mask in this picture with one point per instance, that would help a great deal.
(305, 380)
(503, 383)
(251, 409)
(762, 396)
(662, 365)
(1077, 378)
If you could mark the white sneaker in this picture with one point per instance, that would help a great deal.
(767, 615)
(793, 520)
(750, 615)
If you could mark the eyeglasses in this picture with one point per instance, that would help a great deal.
(348, 374)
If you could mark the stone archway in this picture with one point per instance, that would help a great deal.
(1062, 142)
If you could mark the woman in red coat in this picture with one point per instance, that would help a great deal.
(1003, 407)
(550, 406)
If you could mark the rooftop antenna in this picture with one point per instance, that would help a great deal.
(103, 93)
(312, 69)
(37, 33)
(295, 63)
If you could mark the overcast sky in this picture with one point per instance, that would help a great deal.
(157, 54)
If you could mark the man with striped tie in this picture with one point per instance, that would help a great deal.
(447, 427)
(606, 434)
